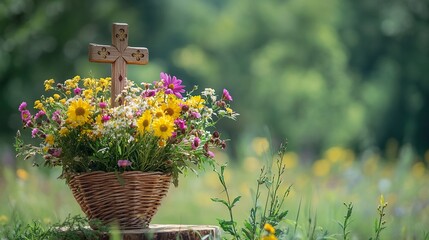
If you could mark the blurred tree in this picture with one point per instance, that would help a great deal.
(320, 73)
(388, 46)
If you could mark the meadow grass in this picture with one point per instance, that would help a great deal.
(316, 199)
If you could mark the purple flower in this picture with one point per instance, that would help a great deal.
(226, 96)
(22, 106)
(57, 152)
(180, 123)
(195, 143)
(25, 116)
(172, 85)
(105, 118)
(102, 105)
(149, 93)
(195, 114)
(39, 114)
(34, 132)
(77, 91)
(124, 163)
(210, 154)
(56, 116)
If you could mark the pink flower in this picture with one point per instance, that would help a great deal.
(25, 116)
(77, 91)
(102, 105)
(226, 96)
(34, 132)
(180, 123)
(195, 114)
(149, 93)
(172, 85)
(210, 154)
(124, 163)
(56, 116)
(22, 106)
(105, 118)
(195, 143)
(39, 114)
(57, 152)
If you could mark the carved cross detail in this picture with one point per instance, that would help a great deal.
(119, 54)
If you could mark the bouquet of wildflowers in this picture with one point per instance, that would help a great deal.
(157, 128)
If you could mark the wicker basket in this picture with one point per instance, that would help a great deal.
(129, 199)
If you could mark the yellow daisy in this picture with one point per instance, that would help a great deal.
(163, 127)
(159, 112)
(172, 109)
(143, 123)
(79, 112)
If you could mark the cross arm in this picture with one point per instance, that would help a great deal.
(102, 53)
(136, 55)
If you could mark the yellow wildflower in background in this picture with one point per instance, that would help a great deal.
(321, 167)
(3, 219)
(269, 228)
(260, 145)
(271, 232)
(22, 174)
(290, 160)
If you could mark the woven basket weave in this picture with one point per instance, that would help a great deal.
(129, 199)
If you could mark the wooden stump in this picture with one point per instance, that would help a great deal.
(167, 232)
(160, 232)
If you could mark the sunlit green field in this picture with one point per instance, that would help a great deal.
(338, 176)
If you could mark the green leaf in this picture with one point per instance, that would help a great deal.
(236, 200)
(220, 201)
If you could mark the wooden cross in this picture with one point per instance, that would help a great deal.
(119, 54)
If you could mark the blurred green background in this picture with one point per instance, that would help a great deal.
(320, 73)
(346, 74)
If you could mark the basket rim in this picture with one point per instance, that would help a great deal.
(121, 173)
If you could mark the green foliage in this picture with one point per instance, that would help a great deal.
(268, 213)
(345, 225)
(73, 227)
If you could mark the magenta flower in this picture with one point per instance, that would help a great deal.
(210, 154)
(39, 114)
(22, 106)
(172, 85)
(56, 116)
(77, 91)
(105, 118)
(57, 152)
(25, 115)
(149, 93)
(34, 132)
(226, 96)
(124, 163)
(195, 143)
(195, 115)
(102, 105)
(181, 124)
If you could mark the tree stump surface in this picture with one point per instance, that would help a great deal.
(160, 232)
(164, 232)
